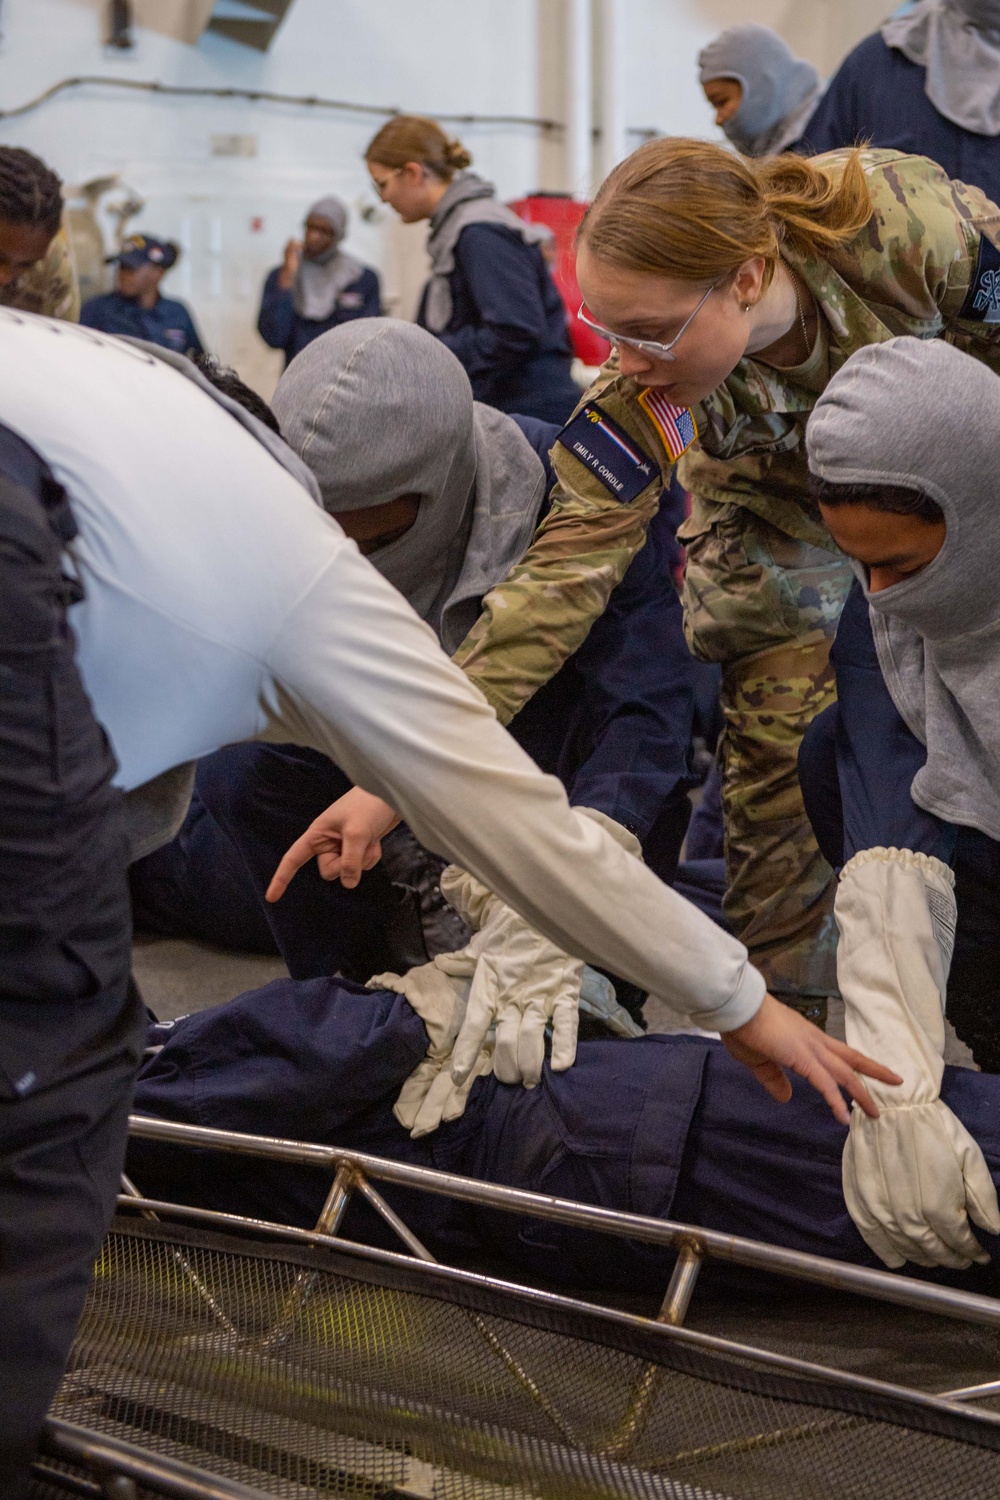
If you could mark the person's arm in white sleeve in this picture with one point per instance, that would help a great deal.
(360, 677)
(914, 1177)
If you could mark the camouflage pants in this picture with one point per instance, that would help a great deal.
(766, 606)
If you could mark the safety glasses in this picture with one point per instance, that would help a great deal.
(645, 346)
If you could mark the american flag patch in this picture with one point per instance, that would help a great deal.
(675, 424)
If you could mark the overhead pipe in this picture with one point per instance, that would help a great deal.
(613, 146)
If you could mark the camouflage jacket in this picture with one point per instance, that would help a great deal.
(49, 286)
(927, 263)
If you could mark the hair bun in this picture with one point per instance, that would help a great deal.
(456, 156)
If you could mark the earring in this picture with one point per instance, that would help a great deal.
(746, 307)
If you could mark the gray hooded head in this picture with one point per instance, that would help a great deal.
(924, 416)
(319, 282)
(380, 408)
(780, 90)
(958, 43)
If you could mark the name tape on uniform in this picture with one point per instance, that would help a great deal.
(982, 304)
(610, 454)
(675, 424)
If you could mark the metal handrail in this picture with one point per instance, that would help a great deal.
(796, 1264)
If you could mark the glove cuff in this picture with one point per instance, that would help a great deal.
(620, 834)
(470, 898)
(910, 859)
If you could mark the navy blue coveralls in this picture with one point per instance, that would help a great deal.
(168, 323)
(508, 325)
(877, 97)
(70, 1026)
(283, 328)
(856, 766)
(614, 725)
(666, 1126)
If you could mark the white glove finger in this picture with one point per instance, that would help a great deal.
(460, 965)
(434, 1106)
(866, 1223)
(980, 1189)
(531, 1044)
(480, 1013)
(414, 1091)
(565, 1027)
(506, 1056)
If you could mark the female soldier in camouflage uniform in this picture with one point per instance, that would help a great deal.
(782, 268)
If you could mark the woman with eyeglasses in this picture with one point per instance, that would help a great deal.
(733, 290)
(490, 297)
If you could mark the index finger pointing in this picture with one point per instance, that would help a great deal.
(292, 861)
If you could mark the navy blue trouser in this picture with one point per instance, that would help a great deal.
(856, 766)
(666, 1126)
(70, 1032)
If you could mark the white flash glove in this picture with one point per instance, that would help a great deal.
(914, 1177)
(520, 981)
(430, 1096)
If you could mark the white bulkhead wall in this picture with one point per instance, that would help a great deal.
(233, 212)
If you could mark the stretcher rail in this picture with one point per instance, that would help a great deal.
(693, 1243)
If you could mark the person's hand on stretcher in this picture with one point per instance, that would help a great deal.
(521, 982)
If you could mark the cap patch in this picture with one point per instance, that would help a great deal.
(675, 424)
(610, 453)
(982, 303)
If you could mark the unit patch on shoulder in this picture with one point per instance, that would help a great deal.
(609, 453)
(675, 424)
(982, 304)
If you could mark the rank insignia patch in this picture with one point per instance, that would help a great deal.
(675, 424)
(982, 304)
(609, 453)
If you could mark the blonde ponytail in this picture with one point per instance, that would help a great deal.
(695, 211)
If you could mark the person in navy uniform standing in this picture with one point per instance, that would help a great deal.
(490, 298)
(318, 285)
(135, 307)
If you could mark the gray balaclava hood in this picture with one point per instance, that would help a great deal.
(319, 282)
(780, 90)
(922, 415)
(379, 408)
(958, 43)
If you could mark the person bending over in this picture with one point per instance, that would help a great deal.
(491, 297)
(443, 495)
(206, 599)
(901, 775)
(37, 273)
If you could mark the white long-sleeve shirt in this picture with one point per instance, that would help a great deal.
(221, 604)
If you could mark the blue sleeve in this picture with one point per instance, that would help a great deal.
(840, 117)
(276, 318)
(541, 435)
(372, 293)
(502, 279)
(194, 338)
(877, 755)
(639, 688)
(90, 313)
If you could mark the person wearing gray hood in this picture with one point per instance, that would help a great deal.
(762, 94)
(443, 495)
(928, 81)
(901, 776)
(491, 297)
(318, 285)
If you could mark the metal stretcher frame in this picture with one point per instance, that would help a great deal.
(114, 1463)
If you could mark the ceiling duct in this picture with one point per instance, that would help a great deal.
(252, 23)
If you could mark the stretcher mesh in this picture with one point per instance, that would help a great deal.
(312, 1372)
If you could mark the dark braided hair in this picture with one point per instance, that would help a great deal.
(30, 192)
